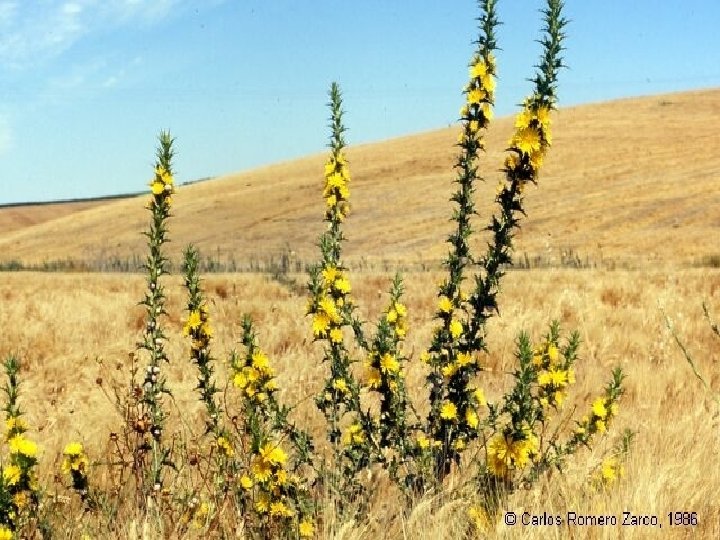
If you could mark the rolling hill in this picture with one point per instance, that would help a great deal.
(632, 180)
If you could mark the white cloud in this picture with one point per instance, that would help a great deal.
(32, 32)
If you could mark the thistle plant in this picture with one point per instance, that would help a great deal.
(272, 490)
(151, 415)
(452, 420)
(198, 329)
(19, 495)
(330, 303)
(76, 464)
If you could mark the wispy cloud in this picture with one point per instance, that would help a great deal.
(32, 32)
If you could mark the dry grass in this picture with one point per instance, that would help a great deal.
(61, 323)
(624, 181)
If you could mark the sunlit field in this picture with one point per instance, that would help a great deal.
(73, 332)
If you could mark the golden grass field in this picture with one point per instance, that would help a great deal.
(626, 181)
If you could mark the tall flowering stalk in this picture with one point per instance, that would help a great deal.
(151, 414)
(272, 491)
(526, 151)
(385, 374)
(330, 304)
(19, 495)
(453, 418)
(198, 329)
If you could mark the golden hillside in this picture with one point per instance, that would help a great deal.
(629, 180)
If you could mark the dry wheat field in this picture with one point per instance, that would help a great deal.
(620, 243)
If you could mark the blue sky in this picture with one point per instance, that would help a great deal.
(86, 85)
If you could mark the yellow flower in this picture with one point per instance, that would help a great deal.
(553, 353)
(225, 446)
(11, 474)
(342, 285)
(598, 408)
(73, 449)
(306, 529)
(340, 385)
(422, 441)
(456, 329)
(464, 359)
(542, 113)
(471, 418)
(488, 83)
(157, 187)
(392, 316)
(5, 533)
(544, 379)
(262, 505)
(20, 445)
(499, 457)
(459, 445)
(240, 380)
(449, 370)
(320, 323)
(475, 96)
(330, 274)
(260, 361)
(15, 422)
(448, 411)
(336, 335)
(600, 426)
(401, 309)
(559, 377)
(610, 470)
(389, 363)
(246, 482)
(444, 304)
(273, 454)
(193, 323)
(527, 140)
(280, 509)
(479, 396)
(478, 69)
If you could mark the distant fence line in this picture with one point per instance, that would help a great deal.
(288, 263)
